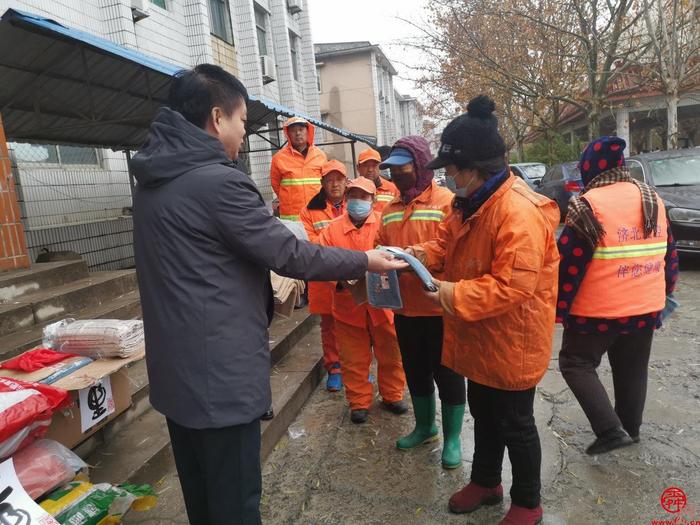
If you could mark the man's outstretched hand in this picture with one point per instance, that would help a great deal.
(381, 261)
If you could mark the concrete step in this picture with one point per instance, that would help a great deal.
(285, 333)
(126, 306)
(141, 453)
(16, 284)
(56, 302)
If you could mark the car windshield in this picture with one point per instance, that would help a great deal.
(677, 171)
(536, 171)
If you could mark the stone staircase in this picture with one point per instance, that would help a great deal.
(136, 442)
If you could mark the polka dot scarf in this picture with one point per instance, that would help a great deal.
(602, 164)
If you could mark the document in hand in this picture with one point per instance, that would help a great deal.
(383, 288)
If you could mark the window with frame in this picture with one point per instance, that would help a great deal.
(220, 17)
(51, 154)
(318, 79)
(294, 48)
(636, 170)
(261, 29)
(159, 3)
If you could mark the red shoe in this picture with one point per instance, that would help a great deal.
(473, 497)
(522, 516)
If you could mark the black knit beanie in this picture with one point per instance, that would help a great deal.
(472, 139)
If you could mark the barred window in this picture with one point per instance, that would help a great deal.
(261, 28)
(220, 17)
(52, 154)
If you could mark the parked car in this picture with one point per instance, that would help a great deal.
(560, 183)
(530, 172)
(676, 176)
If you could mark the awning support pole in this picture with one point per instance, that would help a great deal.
(132, 184)
(354, 159)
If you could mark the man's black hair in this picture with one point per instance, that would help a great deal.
(194, 92)
(384, 152)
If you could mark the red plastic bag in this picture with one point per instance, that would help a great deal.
(44, 465)
(25, 412)
(35, 360)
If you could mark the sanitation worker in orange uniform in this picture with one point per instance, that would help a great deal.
(368, 167)
(295, 172)
(498, 253)
(361, 329)
(414, 218)
(328, 204)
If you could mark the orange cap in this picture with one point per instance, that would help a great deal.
(295, 120)
(331, 166)
(362, 183)
(369, 154)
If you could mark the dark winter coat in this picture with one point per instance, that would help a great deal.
(204, 243)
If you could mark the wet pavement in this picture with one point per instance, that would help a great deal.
(327, 470)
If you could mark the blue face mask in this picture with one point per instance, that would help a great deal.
(359, 209)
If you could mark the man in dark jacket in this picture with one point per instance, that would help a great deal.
(204, 243)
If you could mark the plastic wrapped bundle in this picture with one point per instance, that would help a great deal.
(96, 338)
(25, 412)
(45, 465)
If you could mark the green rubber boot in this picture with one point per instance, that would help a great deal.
(425, 430)
(452, 417)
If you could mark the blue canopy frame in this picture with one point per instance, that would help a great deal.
(65, 86)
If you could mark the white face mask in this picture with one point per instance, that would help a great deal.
(461, 192)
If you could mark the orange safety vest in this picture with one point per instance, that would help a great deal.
(415, 223)
(342, 233)
(626, 275)
(296, 178)
(315, 221)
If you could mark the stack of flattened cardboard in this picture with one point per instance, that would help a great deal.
(287, 293)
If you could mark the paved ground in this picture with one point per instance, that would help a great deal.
(329, 471)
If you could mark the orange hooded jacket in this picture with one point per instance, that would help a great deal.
(296, 178)
(500, 290)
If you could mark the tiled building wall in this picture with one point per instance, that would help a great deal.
(81, 208)
(301, 94)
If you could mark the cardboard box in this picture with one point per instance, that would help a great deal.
(66, 425)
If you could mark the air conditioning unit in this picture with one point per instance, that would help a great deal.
(294, 6)
(267, 64)
(140, 9)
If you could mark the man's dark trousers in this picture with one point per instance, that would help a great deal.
(219, 471)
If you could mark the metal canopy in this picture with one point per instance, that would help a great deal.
(63, 86)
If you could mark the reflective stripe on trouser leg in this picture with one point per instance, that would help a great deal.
(355, 359)
(329, 343)
(390, 374)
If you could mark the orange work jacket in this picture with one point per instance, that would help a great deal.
(503, 261)
(342, 233)
(296, 178)
(386, 192)
(405, 225)
(315, 221)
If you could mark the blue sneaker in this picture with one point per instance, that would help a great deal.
(334, 382)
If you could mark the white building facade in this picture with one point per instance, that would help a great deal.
(79, 198)
(356, 83)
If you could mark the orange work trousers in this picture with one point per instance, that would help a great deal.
(355, 345)
(329, 344)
